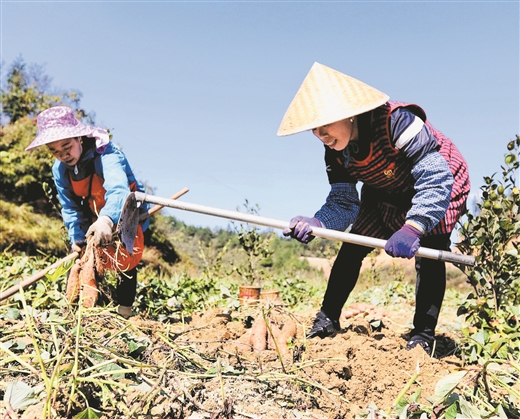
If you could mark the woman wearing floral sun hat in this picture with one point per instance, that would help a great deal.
(93, 179)
(415, 186)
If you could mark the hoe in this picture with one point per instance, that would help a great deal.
(130, 219)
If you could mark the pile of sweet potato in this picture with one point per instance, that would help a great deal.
(271, 330)
(83, 276)
(366, 310)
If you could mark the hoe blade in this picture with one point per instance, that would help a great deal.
(128, 222)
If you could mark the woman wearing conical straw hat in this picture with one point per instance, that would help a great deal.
(414, 181)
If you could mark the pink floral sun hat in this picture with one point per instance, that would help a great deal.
(59, 122)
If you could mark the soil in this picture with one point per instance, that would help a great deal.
(207, 366)
(365, 363)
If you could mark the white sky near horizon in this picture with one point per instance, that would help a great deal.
(194, 91)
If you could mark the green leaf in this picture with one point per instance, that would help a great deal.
(416, 396)
(19, 395)
(88, 413)
(402, 409)
(112, 367)
(469, 411)
(510, 158)
(19, 345)
(58, 272)
(501, 413)
(480, 337)
(13, 313)
(451, 412)
(446, 384)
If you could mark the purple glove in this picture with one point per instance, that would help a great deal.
(300, 228)
(404, 243)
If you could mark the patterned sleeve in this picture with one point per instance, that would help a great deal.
(433, 178)
(410, 135)
(341, 207)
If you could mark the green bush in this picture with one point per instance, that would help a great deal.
(491, 338)
(493, 237)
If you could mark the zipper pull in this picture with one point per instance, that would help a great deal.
(75, 169)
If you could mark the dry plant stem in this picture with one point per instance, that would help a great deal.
(305, 364)
(116, 358)
(112, 372)
(154, 384)
(181, 351)
(18, 359)
(74, 372)
(10, 413)
(96, 366)
(107, 382)
(115, 335)
(326, 393)
(30, 326)
(51, 395)
(505, 386)
(270, 331)
(48, 382)
(221, 381)
(403, 392)
(286, 377)
(190, 398)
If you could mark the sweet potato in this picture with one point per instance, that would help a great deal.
(288, 332)
(259, 334)
(349, 312)
(100, 263)
(273, 336)
(88, 279)
(73, 282)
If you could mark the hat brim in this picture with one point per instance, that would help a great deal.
(60, 133)
(330, 118)
(328, 96)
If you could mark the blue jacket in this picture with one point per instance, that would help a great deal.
(111, 165)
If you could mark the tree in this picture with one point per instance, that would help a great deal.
(26, 177)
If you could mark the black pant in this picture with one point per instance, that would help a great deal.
(127, 287)
(429, 290)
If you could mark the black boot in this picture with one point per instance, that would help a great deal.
(323, 326)
(418, 340)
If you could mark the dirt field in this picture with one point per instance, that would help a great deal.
(210, 365)
(320, 378)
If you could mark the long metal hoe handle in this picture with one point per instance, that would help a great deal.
(319, 232)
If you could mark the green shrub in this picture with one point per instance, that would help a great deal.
(493, 237)
(491, 338)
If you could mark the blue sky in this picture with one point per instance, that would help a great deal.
(194, 92)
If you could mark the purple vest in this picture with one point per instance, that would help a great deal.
(387, 172)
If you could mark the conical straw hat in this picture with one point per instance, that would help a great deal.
(327, 96)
